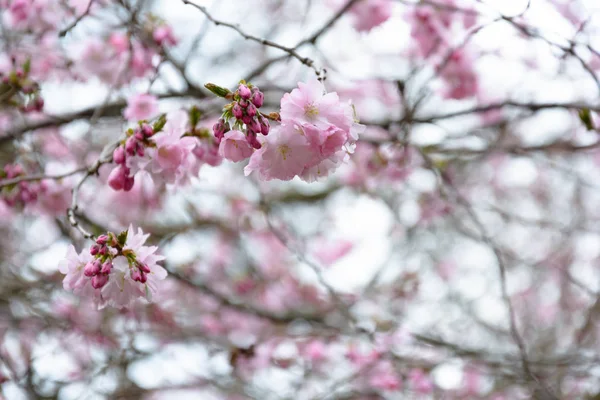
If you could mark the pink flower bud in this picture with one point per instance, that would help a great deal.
(139, 135)
(147, 130)
(38, 104)
(128, 184)
(251, 110)
(106, 268)
(119, 155)
(140, 151)
(244, 92)
(94, 250)
(99, 281)
(136, 275)
(130, 145)
(143, 277)
(258, 98)
(252, 141)
(144, 268)
(219, 128)
(247, 119)
(116, 179)
(264, 127)
(254, 126)
(243, 103)
(237, 112)
(92, 268)
(102, 239)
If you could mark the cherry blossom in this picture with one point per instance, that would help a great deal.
(116, 271)
(141, 106)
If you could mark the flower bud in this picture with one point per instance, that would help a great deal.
(99, 281)
(92, 268)
(106, 268)
(264, 127)
(94, 250)
(254, 126)
(139, 135)
(38, 104)
(247, 119)
(130, 145)
(119, 155)
(236, 110)
(252, 141)
(244, 92)
(140, 151)
(147, 130)
(219, 128)
(243, 103)
(144, 268)
(128, 184)
(258, 98)
(116, 179)
(251, 110)
(102, 240)
(136, 275)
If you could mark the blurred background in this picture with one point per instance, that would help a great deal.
(454, 256)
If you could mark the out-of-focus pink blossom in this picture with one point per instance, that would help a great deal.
(420, 382)
(141, 107)
(459, 76)
(163, 36)
(329, 251)
(368, 14)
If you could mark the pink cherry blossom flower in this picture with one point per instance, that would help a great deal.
(384, 377)
(309, 104)
(163, 36)
(102, 61)
(141, 107)
(420, 382)
(172, 158)
(369, 14)
(73, 266)
(325, 142)
(235, 147)
(284, 154)
(315, 351)
(459, 76)
(119, 41)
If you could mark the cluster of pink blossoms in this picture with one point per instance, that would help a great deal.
(171, 149)
(243, 115)
(19, 194)
(120, 58)
(121, 177)
(431, 29)
(115, 271)
(317, 133)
